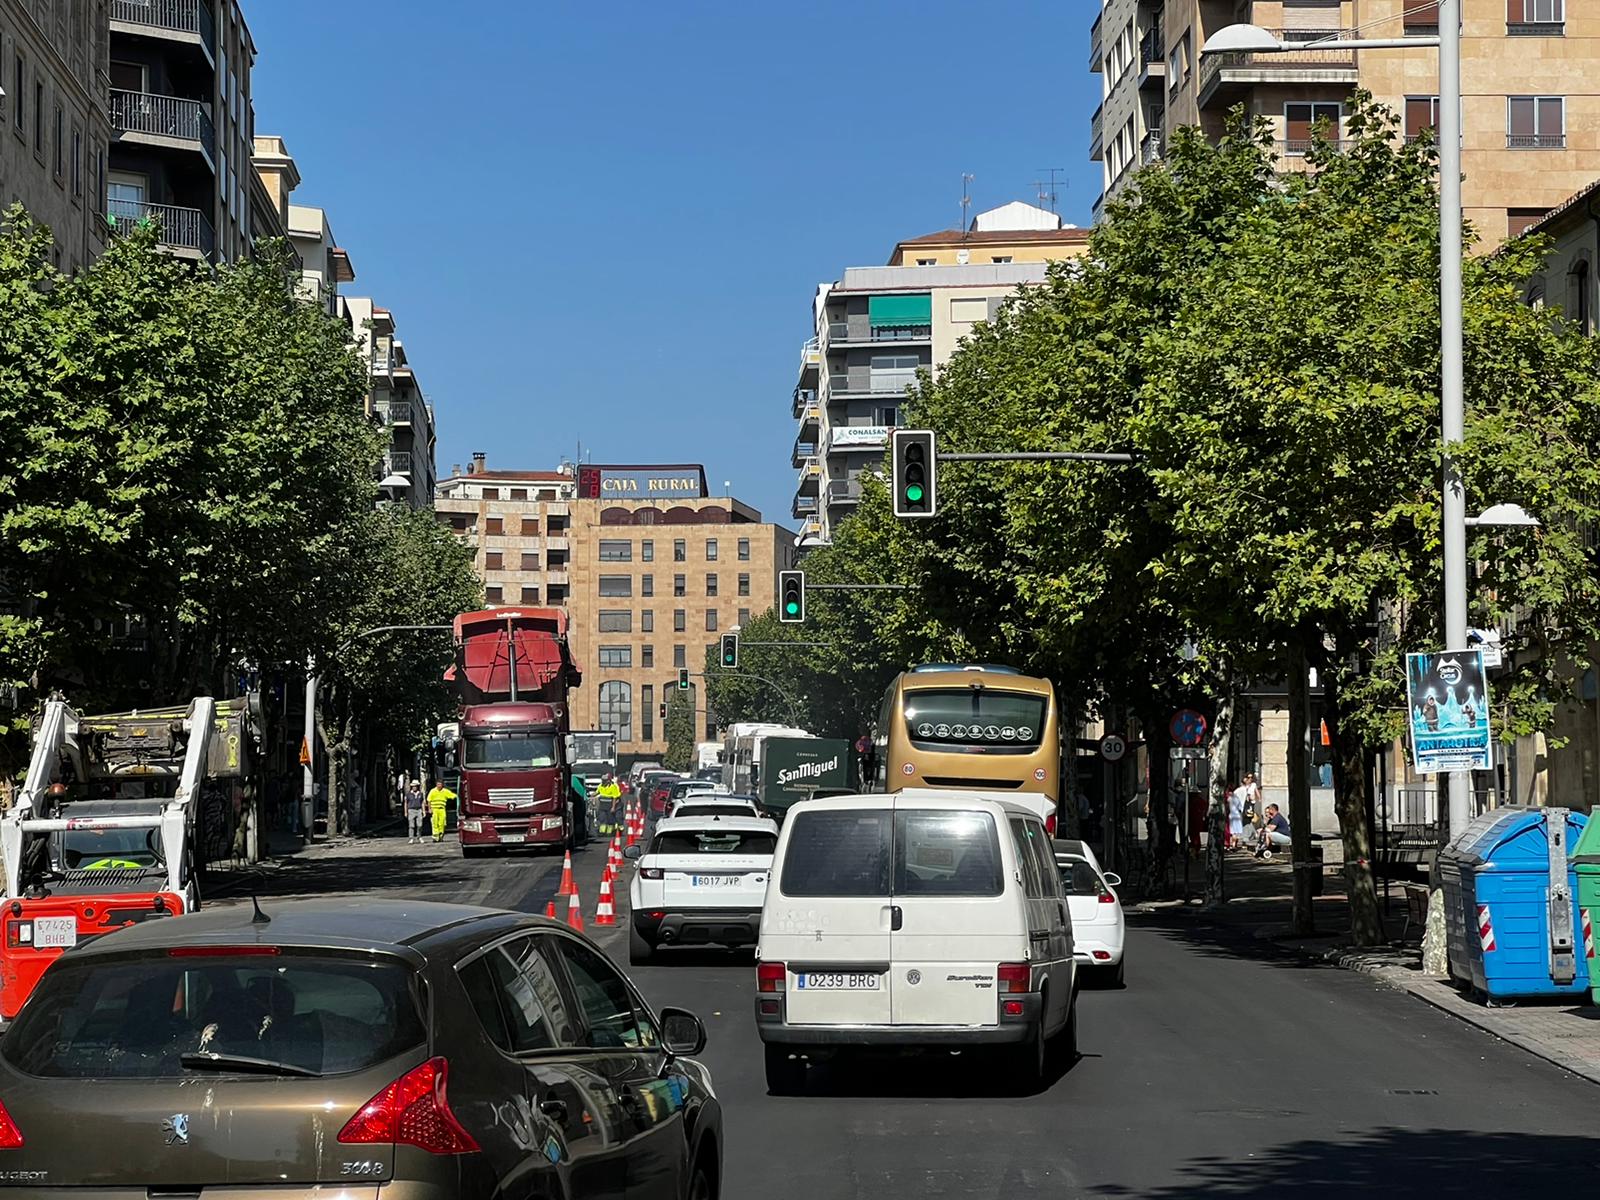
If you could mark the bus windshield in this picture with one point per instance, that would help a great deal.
(524, 750)
(997, 720)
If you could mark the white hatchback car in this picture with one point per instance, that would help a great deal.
(1098, 927)
(709, 804)
(700, 882)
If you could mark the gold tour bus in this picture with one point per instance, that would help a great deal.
(950, 725)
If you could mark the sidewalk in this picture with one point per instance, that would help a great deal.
(1256, 918)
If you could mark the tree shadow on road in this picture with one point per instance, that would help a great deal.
(1440, 1164)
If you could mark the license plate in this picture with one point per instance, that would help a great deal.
(836, 981)
(55, 933)
(513, 838)
(714, 881)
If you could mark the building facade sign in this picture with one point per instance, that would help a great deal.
(856, 437)
(641, 483)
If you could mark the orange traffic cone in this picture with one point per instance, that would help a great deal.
(574, 911)
(566, 888)
(604, 913)
(550, 910)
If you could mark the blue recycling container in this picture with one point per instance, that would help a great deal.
(1496, 875)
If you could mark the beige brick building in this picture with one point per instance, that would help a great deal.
(652, 571)
(1530, 115)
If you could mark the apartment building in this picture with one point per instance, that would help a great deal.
(396, 400)
(651, 568)
(182, 124)
(875, 328)
(54, 128)
(1530, 118)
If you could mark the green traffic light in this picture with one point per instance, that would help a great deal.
(914, 493)
(791, 608)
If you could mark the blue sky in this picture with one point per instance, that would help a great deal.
(605, 222)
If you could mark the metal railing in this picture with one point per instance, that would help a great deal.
(182, 16)
(1536, 141)
(397, 462)
(1300, 147)
(1536, 28)
(804, 448)
(839, 331)
(185, 228)
(844, 491)
(164, 116)
(1149, 149)
(805, 504)
(393, 412)
(1152, 50)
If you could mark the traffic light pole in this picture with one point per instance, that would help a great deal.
(794, 705)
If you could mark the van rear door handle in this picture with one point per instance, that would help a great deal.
(897, 917)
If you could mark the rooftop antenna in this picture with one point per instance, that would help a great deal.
(1048, 198)
(259, 917)
(966, 202)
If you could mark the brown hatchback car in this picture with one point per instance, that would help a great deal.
(365, 1050)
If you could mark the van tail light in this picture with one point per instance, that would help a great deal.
(1050, 825)
(652, 873)
(1107, 898)
(770, 977)
(10, 1135)
(1014, 977)
(411, 1111)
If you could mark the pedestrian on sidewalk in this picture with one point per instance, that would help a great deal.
(1236, 818)
(1274, 832)
(415, 806)
(439, 804)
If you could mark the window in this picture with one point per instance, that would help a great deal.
(616, 620)
(616, 656)
(1422, 16)
(744, 583)
(530, 526)
(530, 561)
(38, 117)
(647, 585)
(680, 586)
(615, 551)
(1579, 309)
(1520, 220)
(744, 549)
(494, 595)
(519, 493)
(647, 659)
(616, 709)
(680, 551)
(78, 162)
(605, 1002)
(530, 594)
(519, 979)
(711, 583)
(1422, 112)
(647, 706)
(647, 620)
(647, 551)
(679, 620)
(711, 549)
(493, 560)
(1300, 121)
(494, 526)
(17, 91)
(489, 493)
(927, 262)
(679, 657)
(949, 854)
(1536, 122)
(839, 853)
(1534, 17)
(711, 620)
(61, 143)
(616, 585)
(1000, 258)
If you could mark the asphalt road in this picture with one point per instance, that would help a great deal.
(1221, 1070)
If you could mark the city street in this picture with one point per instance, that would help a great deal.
(1225, 1068)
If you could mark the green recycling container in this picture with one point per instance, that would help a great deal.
(1586, 865)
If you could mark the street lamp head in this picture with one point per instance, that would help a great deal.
(1240, 37)
(1505, 514)
(395, 482)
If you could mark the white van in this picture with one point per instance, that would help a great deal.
(920, 918)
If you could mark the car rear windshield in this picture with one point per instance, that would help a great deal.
(715, 841)
(841, 853)
(1078, 878)
(713, 810)
(137, 1018)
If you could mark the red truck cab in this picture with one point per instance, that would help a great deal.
(513, 778)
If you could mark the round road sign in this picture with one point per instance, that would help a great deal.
(1188, 728)
(1112, 747)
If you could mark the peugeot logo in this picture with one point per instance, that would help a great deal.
(176, 1127)
(913, 977)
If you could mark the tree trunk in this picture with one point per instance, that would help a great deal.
(1220, 768)
(1158, 741)
(1299, 788)
(1350, 802)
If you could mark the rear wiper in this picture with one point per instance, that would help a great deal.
(240, 1062)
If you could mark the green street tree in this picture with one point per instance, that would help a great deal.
(680, 731)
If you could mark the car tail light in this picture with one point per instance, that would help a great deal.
(1107, 898)
(770, 977)
(1050, 825)
(1014, 977)
(652, 873)
(1102, 956)
(10, 1135)
(411, 1111)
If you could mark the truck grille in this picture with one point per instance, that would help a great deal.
(512, 797)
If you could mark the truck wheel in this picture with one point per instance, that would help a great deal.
(640, 951)
(786, 1076)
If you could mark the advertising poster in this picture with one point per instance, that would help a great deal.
(1448, 698)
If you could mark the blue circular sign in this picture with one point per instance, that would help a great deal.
(1188, 728)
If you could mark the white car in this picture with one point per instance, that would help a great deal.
(700, 881)
(1098, 928)
(709, 804)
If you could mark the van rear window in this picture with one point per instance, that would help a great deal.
(842, 853)
(946, 854)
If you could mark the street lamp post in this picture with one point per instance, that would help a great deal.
(1253, 39)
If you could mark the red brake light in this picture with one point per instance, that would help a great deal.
(220, 951)
(1050, 825)
(10, 1135)
(1107, 898)
(770, 977)
(411, 1111)
(1013, 977)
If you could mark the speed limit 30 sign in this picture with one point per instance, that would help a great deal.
(1113, 747)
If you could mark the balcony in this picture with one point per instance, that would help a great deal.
(810, 479)
(393, 414)
(1300, 147)
(383, 361)
(1096, 54)
(883, 383)
(839, 335)
(803, 399)
(171, 121)
(558, 543)
(844, 491)
(1097, 134)
(803, 450)
(182, 20)
(810, 416)
(180, 229)
(1227, 77)
(1150, 148)
(1536, 141)
(810, 360)
(804, 505)
(1152, 61)
(397, 462)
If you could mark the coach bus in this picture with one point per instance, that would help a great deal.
(950, 725)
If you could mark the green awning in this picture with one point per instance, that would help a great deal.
(884, 311)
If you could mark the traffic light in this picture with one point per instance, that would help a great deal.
(663, 710)
(683, 679)
(791, 597)
(730, 651)
(914, 471)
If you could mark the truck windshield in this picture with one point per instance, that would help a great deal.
(97, 849)
(511, 750)
(593, 747)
